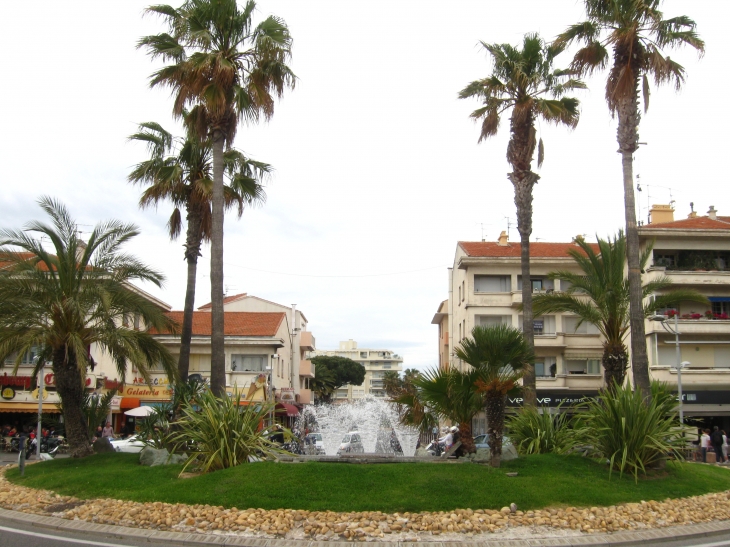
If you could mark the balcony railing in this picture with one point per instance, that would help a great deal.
(306, 368)
(306, 341)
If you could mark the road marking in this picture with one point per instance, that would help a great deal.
(56, 538)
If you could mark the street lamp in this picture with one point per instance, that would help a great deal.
(679, 364)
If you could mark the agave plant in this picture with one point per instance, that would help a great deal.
(631, 434)
(535, 432)
(224, 432)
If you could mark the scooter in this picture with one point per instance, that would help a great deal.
(435, 448)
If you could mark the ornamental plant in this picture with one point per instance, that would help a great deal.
(536, 431)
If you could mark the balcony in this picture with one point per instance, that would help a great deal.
(306, 369)
(304, 396)
(692, 326)
(306, 341)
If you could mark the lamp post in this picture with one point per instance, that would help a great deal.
(679, 365)
(41, 387)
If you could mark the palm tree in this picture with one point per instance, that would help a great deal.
(392, 383)
(498, 355)
(449, 393)
(234, 70)
(180, 170)
(600, 296)
(77, 297)
(521, 81)
(637, 33)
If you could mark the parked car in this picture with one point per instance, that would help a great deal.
(351, 443)
(482, 441)
(131, 444)
(314, 444)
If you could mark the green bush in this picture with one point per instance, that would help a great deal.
(630, 434)
(223, 433)
(534, 432)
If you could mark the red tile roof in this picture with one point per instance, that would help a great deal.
(235, 323)
(226, 300)
(538, 249)
(697, 223)
(6, 261)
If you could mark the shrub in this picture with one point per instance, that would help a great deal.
(224, 432)
(630, 434)
(534, 432)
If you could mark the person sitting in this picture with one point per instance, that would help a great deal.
(447, 440)
(108, 431)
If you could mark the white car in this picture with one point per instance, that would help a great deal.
(132, 444)
(351, 443)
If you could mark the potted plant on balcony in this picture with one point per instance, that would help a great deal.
(709, 314)
(671, 313)
(722, 316)
(696, 315)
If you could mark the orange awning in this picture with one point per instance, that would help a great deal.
(29, 407)
(128, 402)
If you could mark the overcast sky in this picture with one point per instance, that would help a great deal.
(378, 171)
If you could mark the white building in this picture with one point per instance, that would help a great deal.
(376, 362)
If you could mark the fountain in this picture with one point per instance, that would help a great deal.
(375, 419)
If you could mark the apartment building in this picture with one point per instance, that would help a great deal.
(485, 288)
(376, 362)
(694, 253)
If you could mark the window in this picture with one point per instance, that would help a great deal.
(546, 367)
(249, 363)
(538, 284)
(718, 308)
(386, 366)
(583, 366)
(27, 358)
(570, 326)
(463, 291)
(722, 357)
(459, 295)
(543, 325)
(664, 259)
(363, 355)
(493, 320)
(492, 283)
(358, 393)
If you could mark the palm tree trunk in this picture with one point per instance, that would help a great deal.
(467, 438)
(494, 406)
(628, 137)
(615, 361)
(192, 252)
(218, 356)
(70, 386)
(519, 154)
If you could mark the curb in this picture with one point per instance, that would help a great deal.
(619, 539)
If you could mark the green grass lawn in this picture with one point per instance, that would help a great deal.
(542, 481)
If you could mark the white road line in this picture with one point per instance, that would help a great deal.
(725, 543)
(56, 538)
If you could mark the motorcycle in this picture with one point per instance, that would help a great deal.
(435, 448)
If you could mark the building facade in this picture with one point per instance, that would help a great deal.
(376, 362)
(693, 253)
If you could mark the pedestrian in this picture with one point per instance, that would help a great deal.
(435, 432)
(716, 439)
(99, 432)
(724, 445)
(705, 444)
(108, 431)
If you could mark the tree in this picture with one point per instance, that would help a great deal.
(521, 81)
(637, 32)
(449, 393)
(66, 302)
(231, 71)
(499, 355)
(335, 372)
(392, 383)
(180, 171)
(600, 296)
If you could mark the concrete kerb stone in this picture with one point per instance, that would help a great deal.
(619, 539)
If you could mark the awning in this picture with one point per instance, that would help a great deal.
(29, 407)
(290, 410)
(582, 355)
(719, 298)
(128, 402)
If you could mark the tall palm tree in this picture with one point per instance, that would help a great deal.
(637, 32)
(180, 171)
(600, 296)
(499, 356)
(449, 393)
(79, 296)
(523, 80)
(233, 70)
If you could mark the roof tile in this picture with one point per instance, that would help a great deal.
(538, 249)
(697, 223)
(226, 300)
(236, 323)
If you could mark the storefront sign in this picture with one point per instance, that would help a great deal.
(139, 381)
(287, 395)
(145, 392)
(35, 394)
(7, 393)
(553, 399)
(49, 379)
(15, 381)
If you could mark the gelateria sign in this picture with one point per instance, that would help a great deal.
(147, 392)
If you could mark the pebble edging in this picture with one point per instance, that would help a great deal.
(457, 525)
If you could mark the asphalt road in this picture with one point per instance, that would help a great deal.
(10, 536)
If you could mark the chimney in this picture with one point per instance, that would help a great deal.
(660, 214)
(503, 240)
(692, 213)
(712, 213)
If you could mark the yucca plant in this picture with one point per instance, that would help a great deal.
(631, 434)
(535, 432)
(224, 432)
(96, 408)
(154, 430)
